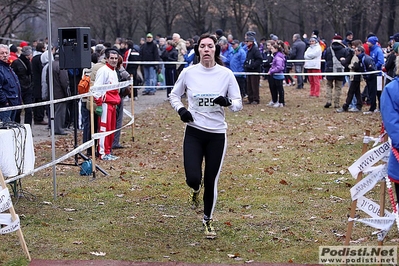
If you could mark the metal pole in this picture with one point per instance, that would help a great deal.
(50, 86)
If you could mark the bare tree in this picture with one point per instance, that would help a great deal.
(195, 13)
(15, 13)
(169, 11)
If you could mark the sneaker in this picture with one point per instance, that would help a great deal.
(209, 229)
(271, 103)
(327, 105)
(276, 105)
(114, 157)
(367, 113)
(194, 199)
(340, 110)
(108, 157)
(136, 98)
(376, 111)
(354, 109)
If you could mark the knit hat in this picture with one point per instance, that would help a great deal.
(316, 32)
(396, 47)
(149, 35)
(23, 44)
(348, 33)
(313, 39)
(13, 48)
(219, 32)
(373, 40)
(337, 37)
(250, 39)
(274, 37)
(26, 50)
(396, 37)
(250, 33)
(235, 41)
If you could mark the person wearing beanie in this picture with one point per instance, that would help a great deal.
(339, 51)
(13, 53)
(348, 38)
(253, 62)
(378, 56)
(23, 69)
(219, 33)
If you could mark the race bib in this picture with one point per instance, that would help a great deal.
(203, 103)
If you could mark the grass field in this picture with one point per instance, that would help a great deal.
(283, 191)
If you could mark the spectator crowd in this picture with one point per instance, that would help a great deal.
(155, 63)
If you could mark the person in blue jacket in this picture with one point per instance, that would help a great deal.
(378, 56)
(237, 61)
(390, 118)
(9, 86)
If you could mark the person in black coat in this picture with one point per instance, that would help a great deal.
(133, 54)
(23, 70)
(253, 63)
(149, 52)
(343, 54)
(39, 111)
(169, 55)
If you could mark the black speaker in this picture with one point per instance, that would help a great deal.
(74, 47)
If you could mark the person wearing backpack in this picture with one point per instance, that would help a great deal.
(336, 52)
(367, 64)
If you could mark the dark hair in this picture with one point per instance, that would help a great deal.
(40, 47)
(215, 41)
(356, 43)
(360, 48)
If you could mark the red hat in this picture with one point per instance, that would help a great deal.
(337, 37)
(23, 44)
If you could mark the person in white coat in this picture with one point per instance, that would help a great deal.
(313, 65)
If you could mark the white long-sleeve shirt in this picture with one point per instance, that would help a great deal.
(202, 85)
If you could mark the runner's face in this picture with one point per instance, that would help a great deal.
(207, 49)
(113, 60)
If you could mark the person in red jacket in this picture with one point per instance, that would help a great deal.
(107, 103)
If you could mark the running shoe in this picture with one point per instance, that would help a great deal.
(209, 229)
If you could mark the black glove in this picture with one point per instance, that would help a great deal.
(185, 115)
(222, 101)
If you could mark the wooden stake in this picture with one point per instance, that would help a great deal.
(132, 104)
(14, 217)
(354, 203)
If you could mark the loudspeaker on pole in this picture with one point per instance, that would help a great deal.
(74, 47)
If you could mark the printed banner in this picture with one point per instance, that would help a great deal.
(5, 200)
(9, 225)
(372, 208)
(370, 158)
(383, 223)
(367, 183)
